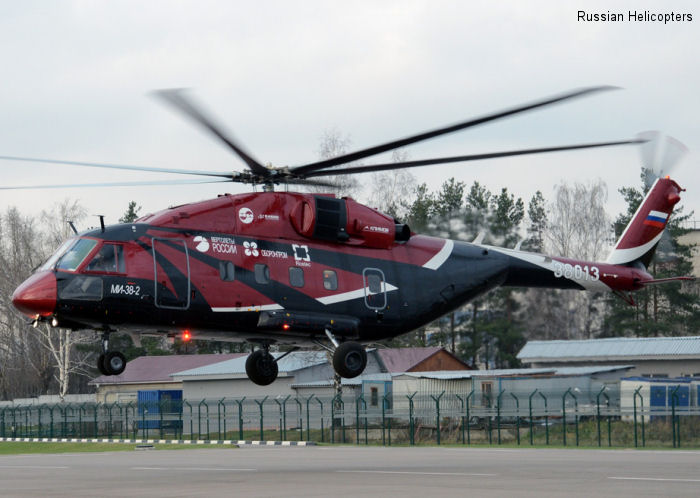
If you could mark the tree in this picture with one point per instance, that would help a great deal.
(132, 212)
(333, 144)
(391, 191)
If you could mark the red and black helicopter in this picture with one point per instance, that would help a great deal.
(304, 269)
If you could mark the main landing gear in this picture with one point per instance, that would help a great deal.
(261, 366)
(349, 361)
(110, 362)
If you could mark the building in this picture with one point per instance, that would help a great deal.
(151, 373)
(657, 357)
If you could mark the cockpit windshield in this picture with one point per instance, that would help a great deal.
(76, 254)
(51, 262)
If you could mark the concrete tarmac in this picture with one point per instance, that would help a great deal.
(354, 471)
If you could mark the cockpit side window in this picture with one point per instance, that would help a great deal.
(76, 254)
(109, 259)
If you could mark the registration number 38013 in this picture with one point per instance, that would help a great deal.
(576, 272)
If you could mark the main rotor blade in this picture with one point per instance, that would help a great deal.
(116, 184)
(176, 98)
(303, 181)
(378, 149)
(471, 157)
(118, 166)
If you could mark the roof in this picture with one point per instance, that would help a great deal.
(517, 372)
(290, 363)
(622, 348)
(147, 369)
(404, 359)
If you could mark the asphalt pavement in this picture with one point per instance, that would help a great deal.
(354, 471)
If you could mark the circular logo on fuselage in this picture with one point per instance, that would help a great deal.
(202, 243)
(245, 215)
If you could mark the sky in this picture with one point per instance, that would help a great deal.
(77, 78)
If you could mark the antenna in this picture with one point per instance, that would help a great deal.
(72, 226)
(102, 222)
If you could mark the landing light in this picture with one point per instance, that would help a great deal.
(285, 326)
(186, 336)
(54, 322)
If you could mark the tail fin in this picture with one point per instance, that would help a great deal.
(643, 233)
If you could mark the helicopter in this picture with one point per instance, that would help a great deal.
(304, 269)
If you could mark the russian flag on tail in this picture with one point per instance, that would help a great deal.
(656, 219)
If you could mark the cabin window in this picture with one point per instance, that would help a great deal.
(262, 273)
(296, 276)
(76, 254)
(109, 259)
(227, 271)
(330, 280)
(374, 282)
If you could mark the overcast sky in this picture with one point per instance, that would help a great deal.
(76, 77)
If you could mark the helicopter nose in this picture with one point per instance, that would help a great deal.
(36, 295)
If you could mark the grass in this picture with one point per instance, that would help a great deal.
(22, 448)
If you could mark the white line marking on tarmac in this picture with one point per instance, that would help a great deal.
(653, 479)
(414, 473)
(218, 469)
(33, 467)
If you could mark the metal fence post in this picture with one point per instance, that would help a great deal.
(597, 401)
(321, 404)
(546, 418)
(358, 400)
(468, 400)
(51, 408)
(437, 413)
(300, 412)
(498, 414)
(308, 420)
(386, 402)
(411, 421)
(95, 408)
(529, 405)
(634, 405)
(461, 411)
(219, 406)
(240, 417)
(260, 406)
(675, 424)
(563, 408)
(517, 417)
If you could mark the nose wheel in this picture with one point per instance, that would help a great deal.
(349, 359)
(110, 362)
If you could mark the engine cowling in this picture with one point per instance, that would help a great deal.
(346, 221)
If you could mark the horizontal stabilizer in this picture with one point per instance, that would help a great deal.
(666, 280)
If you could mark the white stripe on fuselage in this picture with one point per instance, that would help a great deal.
(436, 261)
(547, 262)
(350, 295)
(238, 309)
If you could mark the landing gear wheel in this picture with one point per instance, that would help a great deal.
(349, 359)
(261, 367)
(113, 363)
(101, 364)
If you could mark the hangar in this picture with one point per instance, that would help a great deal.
(652, 357)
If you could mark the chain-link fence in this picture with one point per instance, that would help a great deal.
(569, 417)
